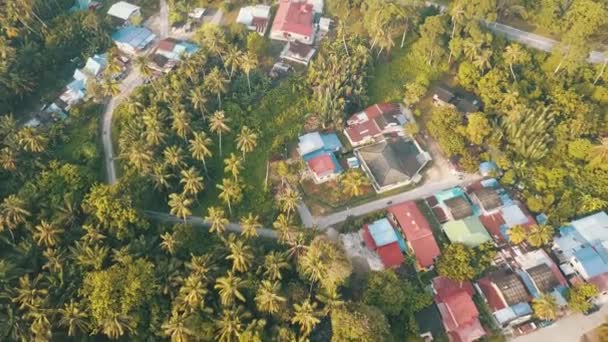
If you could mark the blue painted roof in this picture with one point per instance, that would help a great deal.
(136, 36)
(382, 232)
(331, 142)
(529, 283)
(444, 195)
(337, 166)
(487, 167)
(591, 261)
(76, 85)
(522, 309)
(401, 242)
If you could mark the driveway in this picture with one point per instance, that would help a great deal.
(197, 221)
(569, 329)
(132, 81)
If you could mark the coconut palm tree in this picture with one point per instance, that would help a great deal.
(241, 256)
(174, 156)
(246, 140)
(176, 328)
(217, 218)
(115, 327)
(193, 292)
(12, 213)
(331, 298)
(229, 325)
(168, 242)
(219, 125)
(180, 206)
(30, 292)
(160, 177)
(250, 225)
(288, 200)
(514, 54)
(229, 289)
(198, 100)
(54, 260)
(539, 235)
(545, 307)
(74, 318)
(193, 182)
(139, 156)
(200, 265)
(517, 234)
(46, 235)
(31, 140)
(110, 87)
(181, 123)
(283, 225)
(306, 316)
(274, 263)
(89, 255)
(232, 59)
(311, 265)
(199, 147)
(144, 69)
(231, 192)
(216, 83)
(352, 183)
(599, 154)
(233, 165)
(8, 159)
(248, 63)
(483, 60)
(92, 234)
(267, 298)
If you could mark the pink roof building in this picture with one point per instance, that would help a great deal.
(417, 231)
(390, 254)
(293, 22)
(374, 121)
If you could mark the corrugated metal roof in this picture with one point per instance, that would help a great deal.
(122, 10)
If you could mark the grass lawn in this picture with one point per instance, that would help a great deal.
(390, 75)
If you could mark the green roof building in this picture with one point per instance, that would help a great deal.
(468, 231)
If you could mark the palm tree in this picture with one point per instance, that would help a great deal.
(141, 63)
(229, 325)
(482, 61)
(199, 147)
(246, 140)
(241, 256)
(73, 317)
(545, 307)
(116, 326)
(353, 182)
(513, 54)
(30, 140)
(216, 83)
(249, 62)
(176, 328)
(600, 153)
(46, 234)
(30, 293)
(54, 260)
(92, 234)
(160, 177)
(12, 213)
(233, 165)
(229, 288)
(198, 100)
(233, 59)
(86, 255)
(218, 125)
(288, 200)
(283, 225)
(250, 225)
(180, 206)
(174, 156)
(169, 242)
(305, 316)
(331, 298)
(274, 263)
(217, 217)
(193, 182)
(311, 265)
(181, 123)
(110, 87)
(267, 298)
(540, 235)
(517, 234)
(139, 156)
(231, 192)
(200, 265)
(8, 159)
(193, 292)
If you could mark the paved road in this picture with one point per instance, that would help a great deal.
(418, 193)
(569, 329)
(132, 81)
(197, 221)
(164, 19)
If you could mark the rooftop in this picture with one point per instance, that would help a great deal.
(511, 287)
(543, 277)
(468, 231)
(135, 36)
(324, 164)
(459, 207)
(294, 16)
(123, 10)
(390, 255)
(382, 232)
(488, 198)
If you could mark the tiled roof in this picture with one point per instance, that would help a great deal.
(323, 164)
(390, 255)
(360, 131)
(417, 231)
(469, 332)
(511, 287)
(459, 207)
(295, 17)
(543, 277)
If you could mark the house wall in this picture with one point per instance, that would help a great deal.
(290, 37)
(323, 178)
(126, 48)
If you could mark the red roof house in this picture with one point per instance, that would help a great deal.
(373, 121)
(293, 22)
(417, 231)
(390, 254)
(322, 165)
(459, 314)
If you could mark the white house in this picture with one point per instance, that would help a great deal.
(255, 18)
(294, 22)
(125, 11)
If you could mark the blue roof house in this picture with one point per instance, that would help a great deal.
(319, 152)
(382, 232)
(133, 39)
(93, 68)
(583, 245)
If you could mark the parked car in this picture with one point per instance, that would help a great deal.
(593, 309)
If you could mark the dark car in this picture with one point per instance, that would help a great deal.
(593, 309)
